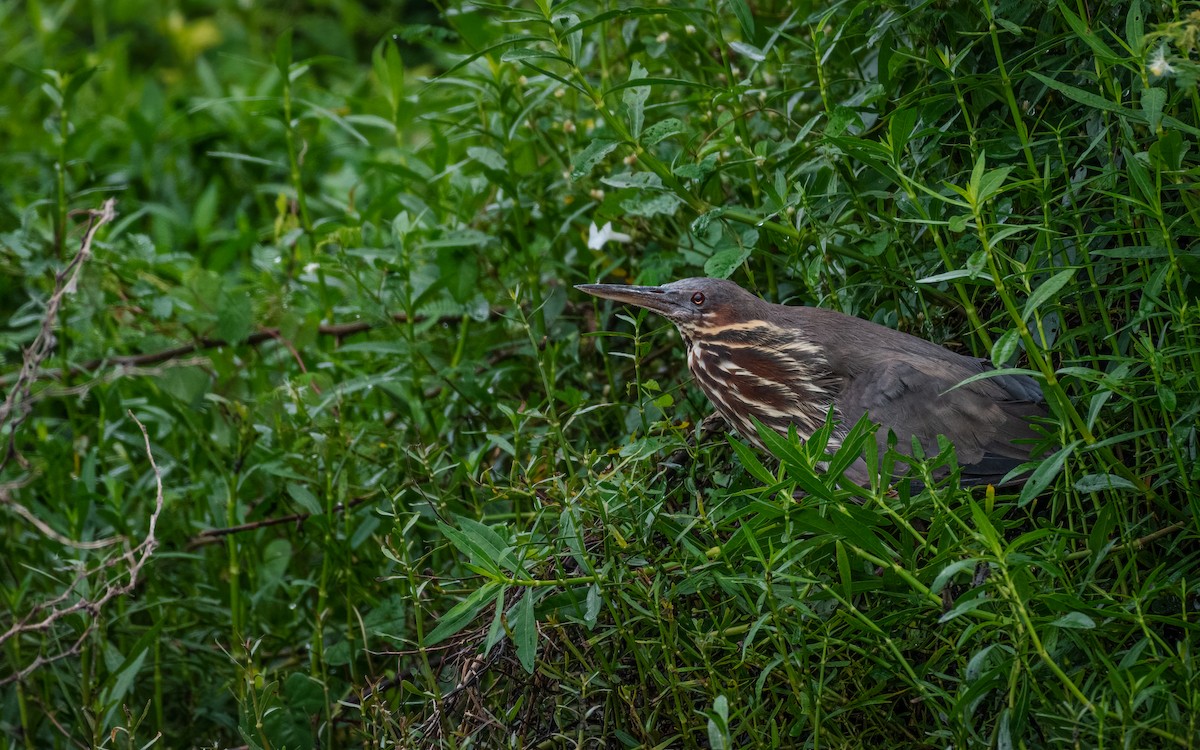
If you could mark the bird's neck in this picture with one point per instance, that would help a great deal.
(759, 369)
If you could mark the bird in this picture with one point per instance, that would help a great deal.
(795, 366)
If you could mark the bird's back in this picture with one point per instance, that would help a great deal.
(911, 388)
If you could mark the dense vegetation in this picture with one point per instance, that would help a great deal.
(417, 491)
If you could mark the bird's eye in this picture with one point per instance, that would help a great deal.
(698, 299)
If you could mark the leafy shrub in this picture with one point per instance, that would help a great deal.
(417, 491)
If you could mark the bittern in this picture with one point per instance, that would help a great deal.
(788, 365)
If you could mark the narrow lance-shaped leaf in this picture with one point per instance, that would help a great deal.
(461, 614)
(524, 630)
(1046, 291)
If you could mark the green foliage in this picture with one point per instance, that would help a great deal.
(419, 493)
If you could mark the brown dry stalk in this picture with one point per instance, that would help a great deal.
(45, 615)
(15, 408)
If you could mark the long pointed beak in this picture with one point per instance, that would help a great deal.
(653, 298)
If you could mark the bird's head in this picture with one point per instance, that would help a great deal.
(695, 306)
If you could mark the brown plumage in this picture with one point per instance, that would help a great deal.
(788, 365)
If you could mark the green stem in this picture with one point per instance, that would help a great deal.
(1009, 96)
(1040, 362)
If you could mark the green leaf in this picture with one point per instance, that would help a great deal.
(591, 156)
(637, 180)
(389, 69)
(305, 498)
(877, 243)
(984, 526)
(977, 172)
(1074, 621)
(187, 384)
(741, 9)
(748, 51)
(122, 677)
(460, 238)
(1153, 100)
(797, 465)
(724, 262)
(963, 606)
(950, 571)
(750, 462)
(525, 53)
(488, 157)
(461, 614)
(283, 54)
(459, 271)
(938, 278)
(844, 574)
(718, 724)
(1089, 99)
(303, 693)
(75, 82)
(1080, 29)
(663, 204)
(858, 526)
(486, 553)
(594, 602)
(1141, 177)
(840, 120)
(572, 538)
(235, 317)
(627, 12)
(698, 171)
(1135, 25)
(1101, 482)
(1167, 398)
(635, 100)
(1045, 473)
(900, 129)
(1048, 289)
(990, 183)
(496, 629)
(270, 572)
(1005, 347)
(852, 446)
(662, 130)
(524, 631)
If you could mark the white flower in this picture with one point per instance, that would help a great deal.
(597, 237)
(1158, 64)
(311, 267)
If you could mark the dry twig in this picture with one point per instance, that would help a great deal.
(46, 614)
(15, 408)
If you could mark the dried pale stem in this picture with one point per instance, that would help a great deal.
(15, 408)
(46, 614)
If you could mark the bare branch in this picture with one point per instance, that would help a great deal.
(336, 330)
(46, 614)
(15, 408)
(211, 536)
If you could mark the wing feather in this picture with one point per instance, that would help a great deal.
(987, 420)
